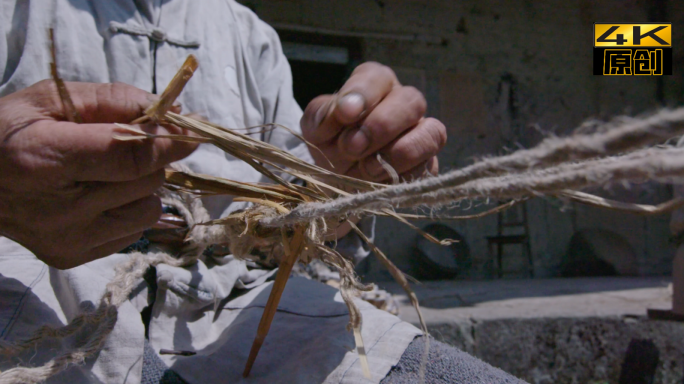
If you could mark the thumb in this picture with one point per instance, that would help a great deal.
(326, 116)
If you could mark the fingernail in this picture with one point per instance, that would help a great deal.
(356, 141)
(373, 167)
(352, 104)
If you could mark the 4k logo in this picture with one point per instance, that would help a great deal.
(633, 49)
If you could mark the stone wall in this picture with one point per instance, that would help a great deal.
(568, 350)
(501, 75)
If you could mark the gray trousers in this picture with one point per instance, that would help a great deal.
(446, 364)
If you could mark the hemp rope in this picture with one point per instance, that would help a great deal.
(617, 136)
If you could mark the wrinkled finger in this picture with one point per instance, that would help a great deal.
(69, 258)
(327, 115)
(114, 246)
(89, 152)
(95, 102)
(104, 250)
(318, 110)
(413, 148)
(370, 81)
(402, 109)
(340, 164)
(126, 220)
(101, 197)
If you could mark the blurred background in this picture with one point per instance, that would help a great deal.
(501, 75)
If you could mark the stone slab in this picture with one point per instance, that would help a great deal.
(553, 330)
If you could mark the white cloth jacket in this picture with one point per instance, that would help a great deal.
(244, 80)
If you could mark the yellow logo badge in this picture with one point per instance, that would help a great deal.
(633, 49)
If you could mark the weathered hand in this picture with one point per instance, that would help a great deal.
(373, 113)
(69, 192)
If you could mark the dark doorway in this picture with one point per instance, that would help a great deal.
(320, 63)
(312, 79)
